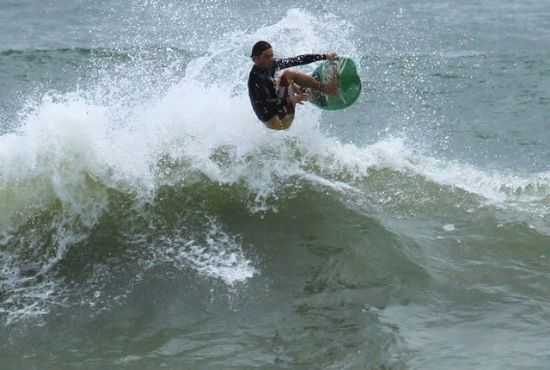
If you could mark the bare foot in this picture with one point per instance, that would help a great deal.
(298, 89)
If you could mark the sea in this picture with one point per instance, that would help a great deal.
(148, 220)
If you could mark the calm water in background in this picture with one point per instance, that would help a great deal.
(147, 220)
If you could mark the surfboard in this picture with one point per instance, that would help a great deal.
(349, 84)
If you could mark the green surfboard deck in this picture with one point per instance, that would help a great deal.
(349, 84)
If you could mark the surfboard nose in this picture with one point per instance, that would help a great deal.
(348, 84)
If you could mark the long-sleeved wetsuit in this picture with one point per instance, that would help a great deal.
(261, 87)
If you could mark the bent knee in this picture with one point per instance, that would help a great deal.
(289, 74)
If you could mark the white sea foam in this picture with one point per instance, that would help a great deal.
(216, 254)
(67, 144)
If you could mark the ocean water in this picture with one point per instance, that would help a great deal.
(149, 221)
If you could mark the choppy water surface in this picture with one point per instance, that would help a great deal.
(147, 220)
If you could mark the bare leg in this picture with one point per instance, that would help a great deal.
(306, 81)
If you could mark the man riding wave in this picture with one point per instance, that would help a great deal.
(274, 99)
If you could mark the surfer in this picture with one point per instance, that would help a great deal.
(274, 99)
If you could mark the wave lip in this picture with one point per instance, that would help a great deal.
(77, 154)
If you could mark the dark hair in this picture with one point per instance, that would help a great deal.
(259, 48)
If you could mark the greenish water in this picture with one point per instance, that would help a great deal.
(148, 221)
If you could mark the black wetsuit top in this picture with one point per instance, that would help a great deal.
(261, 88)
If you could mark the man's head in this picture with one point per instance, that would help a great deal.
(262, 54)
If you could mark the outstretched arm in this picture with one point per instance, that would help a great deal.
(299, 60)
(303, 59)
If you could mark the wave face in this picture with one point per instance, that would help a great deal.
(148, 220)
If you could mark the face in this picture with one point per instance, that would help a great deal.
(265, 59)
